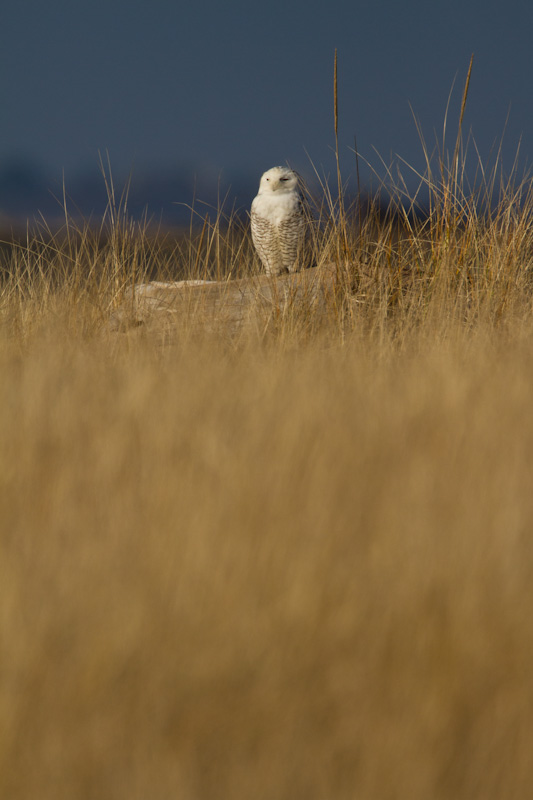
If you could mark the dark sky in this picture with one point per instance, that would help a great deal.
(238, 86)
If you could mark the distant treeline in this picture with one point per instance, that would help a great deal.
(29, 192)
(171, 198)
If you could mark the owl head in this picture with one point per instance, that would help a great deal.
(278, 179)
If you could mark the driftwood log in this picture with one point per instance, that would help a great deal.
(229, 305)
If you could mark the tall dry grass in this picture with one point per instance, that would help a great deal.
(290, 566)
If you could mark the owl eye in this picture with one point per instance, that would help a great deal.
(284, 179)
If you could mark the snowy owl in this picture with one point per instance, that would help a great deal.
(278, 221)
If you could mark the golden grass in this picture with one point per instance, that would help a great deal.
(296, 565)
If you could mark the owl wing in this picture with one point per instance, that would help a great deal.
(292, 233)
(266, 242)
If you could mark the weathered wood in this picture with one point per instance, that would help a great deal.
(227, 305)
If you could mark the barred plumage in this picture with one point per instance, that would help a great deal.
(278, 222)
